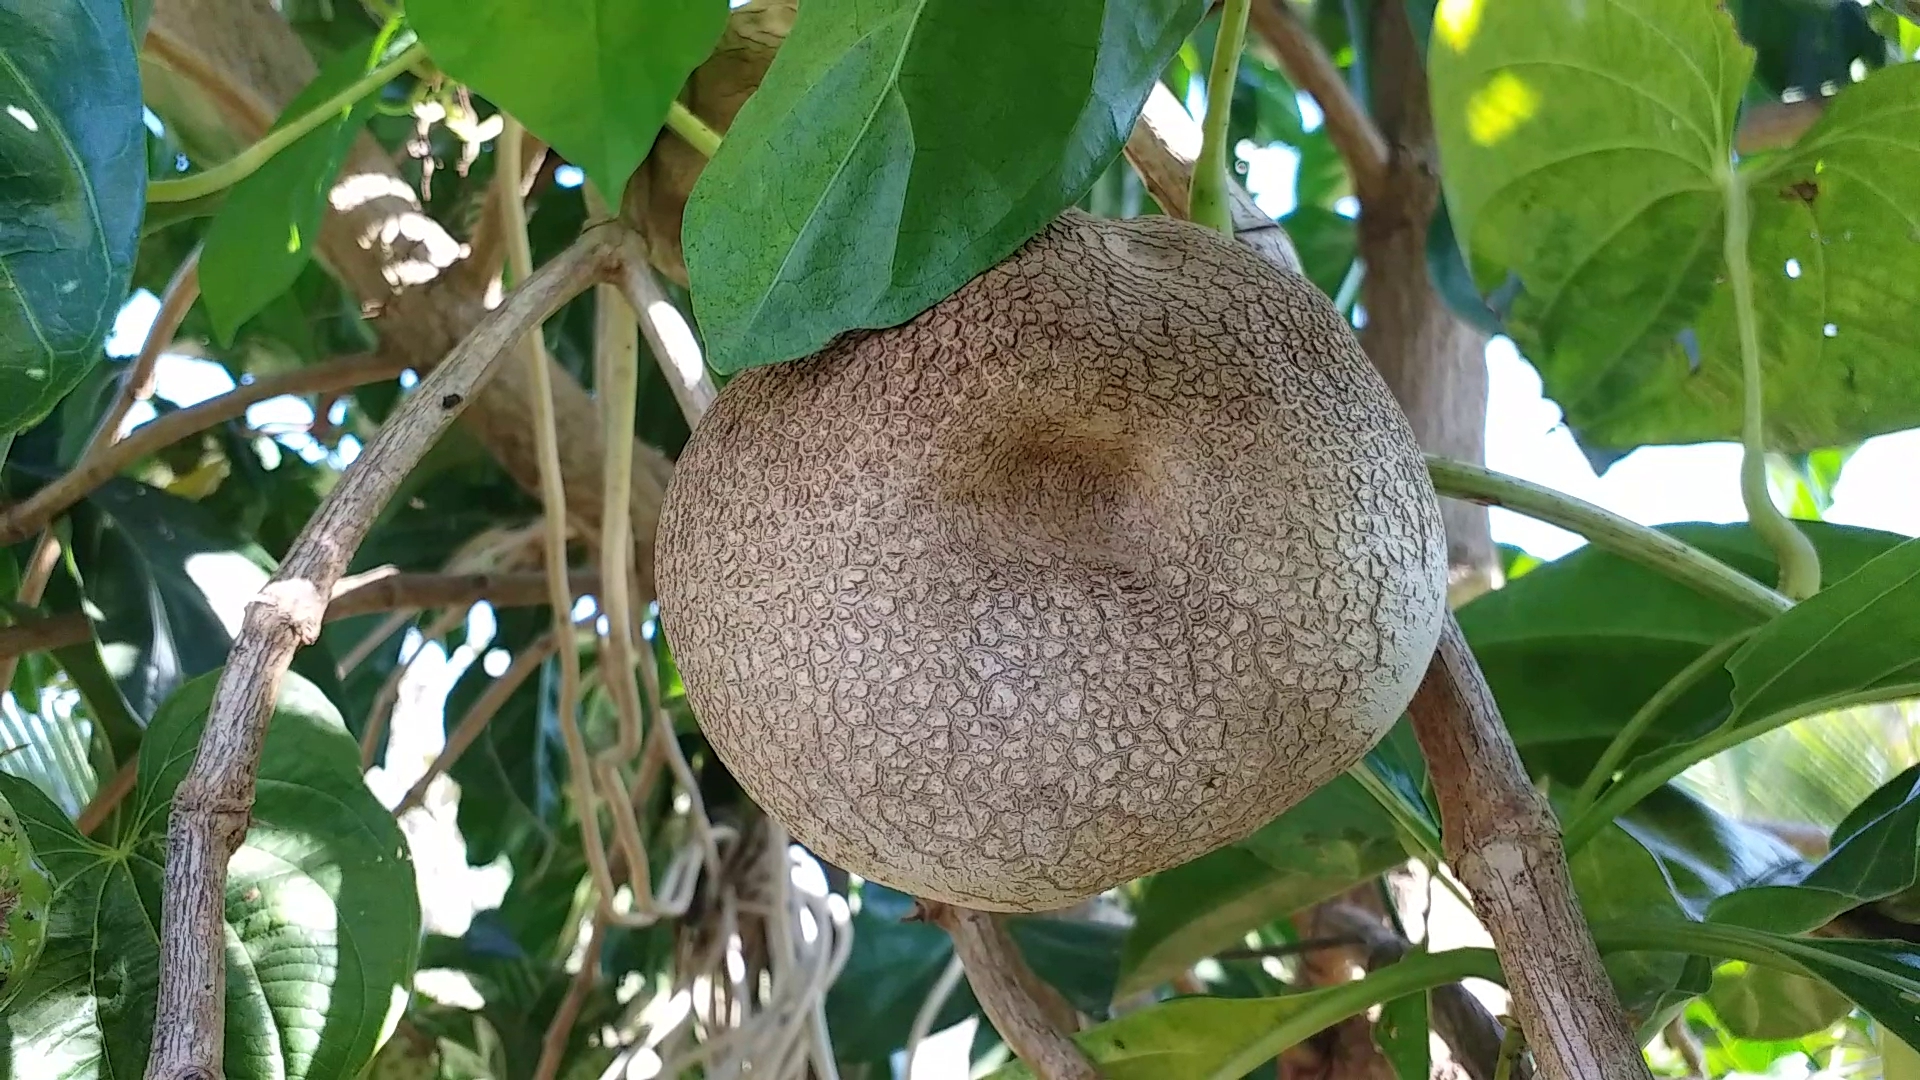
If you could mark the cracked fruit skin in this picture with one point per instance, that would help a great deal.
(1100, 564)
(26, 895)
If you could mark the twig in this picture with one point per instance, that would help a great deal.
(99, 466)
(375, 591)
(667, 334)
(1005, 986)
(110, 796)
(212, 805)
(478, 716)
(553, 1046)
(936, 1000)
(1162, 149)
(181, 292)
(33, 585)
(1308, 66)
(1628, 539)
(1504, 843)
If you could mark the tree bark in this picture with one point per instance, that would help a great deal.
(1434, 361)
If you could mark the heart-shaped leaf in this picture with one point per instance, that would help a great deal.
(72, 149)
(323, 916)
(897, 149)
(591, 77)
(1587, 152)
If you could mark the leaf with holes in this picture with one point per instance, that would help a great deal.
(74, 163)
(591, 77)
(1586, 149)
(897, 149)
(323, 921)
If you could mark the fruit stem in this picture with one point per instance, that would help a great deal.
(682, 122)
(1799, 562)
(1655, 550)
(1207, 196)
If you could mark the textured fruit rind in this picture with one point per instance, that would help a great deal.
(26, 894)
(1098, 565)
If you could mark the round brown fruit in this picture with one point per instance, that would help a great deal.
(1096, 566)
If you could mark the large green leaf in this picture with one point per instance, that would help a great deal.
(266, 229)
(73, 175)
(897, 149)
(1585, 149)
(1855, 641)
(323, 918)
(1190, 1038)
(1333, 840)
(1574, 647)
(133, 545)
(591, 77)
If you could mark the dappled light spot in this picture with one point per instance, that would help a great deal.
(416, 248)
(1498, 109)
(1793, 268)
(23, 118)
(1830, 330)
(1455, 21)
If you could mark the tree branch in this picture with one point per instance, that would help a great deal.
(212, 806)
(375, 591)
(553, 1045)
(1011, 995)
(99, 465)
(1776, 125)
(1503, 841)
(1307, 65)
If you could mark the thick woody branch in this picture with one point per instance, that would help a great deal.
(1775, 125)
(1307, 64)
(375, 591)
(1504, 843)
(106, 462)
(212, 806)
(1029, 1014)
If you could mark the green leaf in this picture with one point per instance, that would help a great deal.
(1584, 155)
(897, 149)
(1767, 1003)
(1402, 1033)
(1882, 977)
(133, 546)
(1857, 640)
(1193, 1038)
(1575, 646)
(73, 158)
(1875, 855)
(591, 77)
(323, 919)
(266, 230)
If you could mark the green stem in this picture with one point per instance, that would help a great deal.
(1413, 975)
(694, 130)
(1511, 1044)
(1687, 678)
(1799, 562)
(1424, 836)
(248, 161)
(1653, 549)
(1207, 195)
(1622, 797)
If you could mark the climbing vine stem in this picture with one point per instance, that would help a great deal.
(1799, 562)
(1207, 201)
(248, 161)
(1651, 548)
